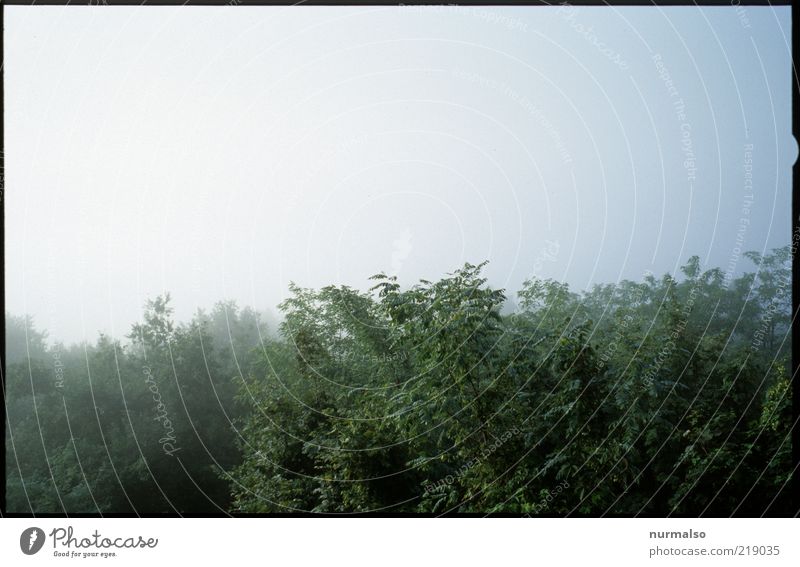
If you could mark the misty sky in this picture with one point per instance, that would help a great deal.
(223, 152)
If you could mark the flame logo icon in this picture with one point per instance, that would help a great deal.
(31, 540)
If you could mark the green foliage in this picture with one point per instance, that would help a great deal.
(143, 427)
(660, 397)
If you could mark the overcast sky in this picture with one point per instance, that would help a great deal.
(223, 152)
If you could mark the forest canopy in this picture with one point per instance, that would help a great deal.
(665, 396)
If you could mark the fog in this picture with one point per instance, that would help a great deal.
(220, 153)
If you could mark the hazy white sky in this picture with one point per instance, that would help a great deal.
(223, 152)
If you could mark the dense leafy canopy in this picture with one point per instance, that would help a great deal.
(664, 396)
